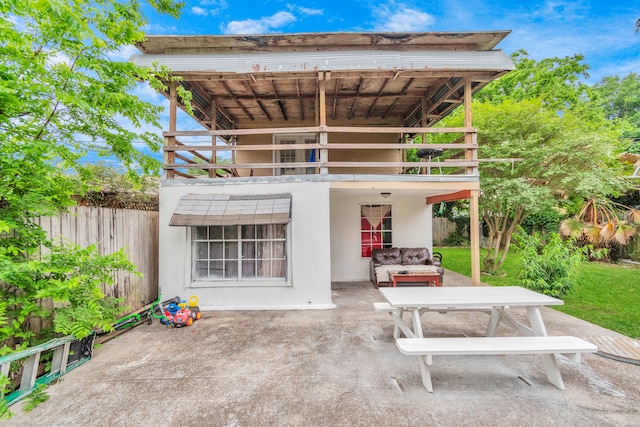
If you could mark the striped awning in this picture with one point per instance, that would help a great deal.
(225, 209)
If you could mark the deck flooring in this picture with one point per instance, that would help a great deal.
(623, 349)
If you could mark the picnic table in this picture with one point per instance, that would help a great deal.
(493, 299)
(497, 301)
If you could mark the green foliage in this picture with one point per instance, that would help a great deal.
(113, 188)
(69, 275)
(5, 413)
(543, 221)
(556, 80)
(620, 100)
(549, 267)
(36, 397)
(557, 145)
(456, 239)
(62, 94)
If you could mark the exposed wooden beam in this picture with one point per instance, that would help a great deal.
(336, 94)
(300, 99)
(327, 164)
(452, 89)
(458, 195)
(333, 146)
(279, 102)
(335, 99)
(316, 129)
(311, 75)
(375, 100)
(230, 92)
(259, 102)
(355, 100)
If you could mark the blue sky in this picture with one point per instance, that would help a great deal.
(602, 31)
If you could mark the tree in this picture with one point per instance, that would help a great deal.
(556, 81)
(562, 158)
(561, 146)
(620, 100)
(61, 96)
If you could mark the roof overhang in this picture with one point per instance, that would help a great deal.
(382, 78)
(347, 61)
(224, 209)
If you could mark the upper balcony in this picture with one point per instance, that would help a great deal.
(324, 103)
(298, 151)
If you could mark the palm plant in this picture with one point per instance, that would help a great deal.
(602, 223)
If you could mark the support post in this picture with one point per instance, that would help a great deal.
(173, 119)
(474, 214)
(213, 109)
(323, 137)
(424, 125)
(469, 138)
(474, 235)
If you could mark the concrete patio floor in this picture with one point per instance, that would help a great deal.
(331, 368)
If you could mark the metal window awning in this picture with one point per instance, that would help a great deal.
(225, 209)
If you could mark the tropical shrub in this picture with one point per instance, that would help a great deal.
(549, 266)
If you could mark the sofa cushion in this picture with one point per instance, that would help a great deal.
(385, 256)
(414, 256)
(382, 272)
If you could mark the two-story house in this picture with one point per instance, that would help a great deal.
(301, 167)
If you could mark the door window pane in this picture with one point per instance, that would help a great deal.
(375, 228)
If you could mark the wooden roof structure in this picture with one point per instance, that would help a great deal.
(401, 79)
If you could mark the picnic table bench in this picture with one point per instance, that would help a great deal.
(425, 348)
(497, 301)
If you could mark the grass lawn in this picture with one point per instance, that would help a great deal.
(605, 294)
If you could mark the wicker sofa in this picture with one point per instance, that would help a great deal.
(411, 259)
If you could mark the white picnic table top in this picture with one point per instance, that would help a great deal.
(465, 297)
(495, 299)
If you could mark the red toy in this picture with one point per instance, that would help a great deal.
(187, 314)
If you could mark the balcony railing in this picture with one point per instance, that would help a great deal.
(199, 159)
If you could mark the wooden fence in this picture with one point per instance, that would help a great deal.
(112, 229)
(442, 228)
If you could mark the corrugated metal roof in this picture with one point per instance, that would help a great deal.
(225, 209)
(461, 40)
(495, 60)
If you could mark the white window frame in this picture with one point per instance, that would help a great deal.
(299, 156)
(372, 232)
(238, 281)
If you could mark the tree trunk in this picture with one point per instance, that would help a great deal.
(496, 229)
(515, 222)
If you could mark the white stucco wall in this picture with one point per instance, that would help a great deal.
(309, 282)
(411, 226)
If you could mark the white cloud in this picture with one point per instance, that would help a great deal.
(124, 53)
(259, 26)
(400, 17)
(561, 10)
(208, 11)
(220, 4)
(145, 92)
(59, 58)
(196, 10)
(161, 29)
(305, 10)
